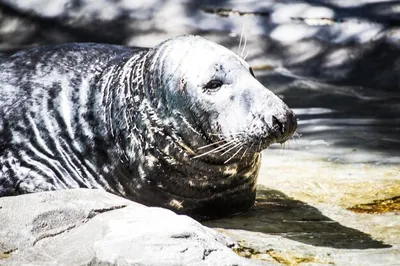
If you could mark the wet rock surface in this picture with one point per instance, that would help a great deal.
(336, 63)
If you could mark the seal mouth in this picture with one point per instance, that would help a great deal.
(230, 151)
(261, 135)
(281, 130)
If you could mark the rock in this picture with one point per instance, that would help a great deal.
(92, 227)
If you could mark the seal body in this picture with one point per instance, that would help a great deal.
(180, 125)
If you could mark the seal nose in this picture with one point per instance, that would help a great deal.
(286, 126)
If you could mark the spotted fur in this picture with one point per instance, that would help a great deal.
(135, 121)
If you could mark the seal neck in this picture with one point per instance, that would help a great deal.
(121, 96)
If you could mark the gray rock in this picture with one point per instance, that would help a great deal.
(92, 227)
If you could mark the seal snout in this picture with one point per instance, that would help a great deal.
(284, 126)
(273, 127)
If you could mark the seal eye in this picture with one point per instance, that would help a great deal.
(251, 72)
(213, 85)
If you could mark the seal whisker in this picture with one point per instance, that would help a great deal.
(294, 141)
(230, 158)
(293, 137)
(241, 38)
(215, 149)
(252, 144)
(186, 148)
(283, 147)
(222, 148)
(259, 144)
(212, 144)
(244, 46)
(231, 148)
(246, 55)
(244, 153)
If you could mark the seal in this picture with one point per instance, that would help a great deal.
(179, 126)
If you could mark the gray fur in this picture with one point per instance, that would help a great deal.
(139, 123)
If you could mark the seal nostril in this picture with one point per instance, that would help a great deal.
(276, 124)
